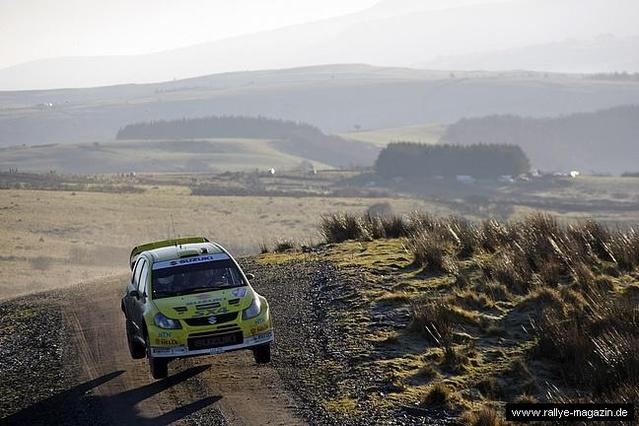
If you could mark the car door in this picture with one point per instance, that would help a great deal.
(131, 286)
(138, 304)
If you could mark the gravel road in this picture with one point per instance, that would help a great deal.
(64, 360)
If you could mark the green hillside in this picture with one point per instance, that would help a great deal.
(206, 155)
(423, 133)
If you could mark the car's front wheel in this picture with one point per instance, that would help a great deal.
(159, 366)
(136, 348)
(262, 354)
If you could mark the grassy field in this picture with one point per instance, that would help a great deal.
(150, 156)
(70, 228)
(424, 133)
(58, 238)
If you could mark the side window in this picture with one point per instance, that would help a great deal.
(136, 270)
(143, 278)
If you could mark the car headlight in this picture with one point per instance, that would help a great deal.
(164, 322)
(253, 310)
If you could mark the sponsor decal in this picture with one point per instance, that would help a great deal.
(209, 312)
(166, 342)
(207, 306)
(164, 334)
(190, 260)
(264, 336)
(204, 299)
(259, 321)
(259, 329)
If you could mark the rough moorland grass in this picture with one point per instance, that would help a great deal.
(566, 293)
(596, 344)
(340, 227)
(536, 249)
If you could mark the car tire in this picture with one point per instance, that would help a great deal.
(136, 349)
(159, 367)
(262, 354)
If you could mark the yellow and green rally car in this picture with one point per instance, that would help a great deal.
(189, 297)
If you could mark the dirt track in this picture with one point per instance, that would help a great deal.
(226, 389)
(72, 367)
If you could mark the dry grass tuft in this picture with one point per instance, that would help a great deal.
(264, 248)
(432, 251)
(284, 246)
(494, 290)
(485, 416)
(340, 227)
(437, 395)
(434, 321)
(473, 300)
(395, 227)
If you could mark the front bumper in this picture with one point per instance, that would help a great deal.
(183, 351)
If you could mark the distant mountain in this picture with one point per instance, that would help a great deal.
(601, 54)
(392, 33)
(601, 141)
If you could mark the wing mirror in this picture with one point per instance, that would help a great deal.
(250, 276)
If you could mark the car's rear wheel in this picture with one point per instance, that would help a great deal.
(262, 354)
(136, 349)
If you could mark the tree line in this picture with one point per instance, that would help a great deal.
(218, 127)
(414, 160)
(296, 138)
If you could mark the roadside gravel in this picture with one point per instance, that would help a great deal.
(315, 351)
(38, 381)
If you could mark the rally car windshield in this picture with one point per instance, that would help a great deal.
(196, 278)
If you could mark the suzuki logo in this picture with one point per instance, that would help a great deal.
(212, 320)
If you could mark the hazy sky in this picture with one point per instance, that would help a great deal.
(36, 29)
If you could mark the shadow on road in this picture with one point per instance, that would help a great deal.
(75, 407)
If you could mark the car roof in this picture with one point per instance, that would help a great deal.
(184, 250)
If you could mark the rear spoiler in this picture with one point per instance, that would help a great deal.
(166, 243)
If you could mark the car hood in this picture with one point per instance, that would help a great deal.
(206, 304)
